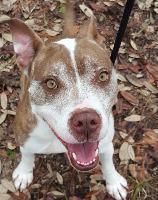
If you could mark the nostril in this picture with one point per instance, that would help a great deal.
(93, 122)
(79, 124)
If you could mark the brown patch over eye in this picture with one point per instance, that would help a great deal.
(103, 76)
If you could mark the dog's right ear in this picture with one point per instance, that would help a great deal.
(89, 30)
(25, 41)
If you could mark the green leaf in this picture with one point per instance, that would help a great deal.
(62, 9)
(11, 154)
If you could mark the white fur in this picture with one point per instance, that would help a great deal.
(57, 111)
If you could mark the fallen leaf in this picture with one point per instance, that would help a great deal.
(59, 178)
(3, 189)
(122, 87)
(87, 11)
(57, 193)
(93, 197)
(153, 70)
(8, 112)
(4, 17)
(2, 42)
(5, 196)
(3, 117)
(8, 184)
(133, 44)
(123, 135)
(51, 33)
(134, 80)
(144, 4)
(150, 138)
(121, 77)
(150, 87)
(57, 28)
(7, 37)
(132, 169)
(11, 146)
(131, 152)
(123, 153)
(129, 97)
(4, 100)
(134, 118)
(97, 177)
(0, 168)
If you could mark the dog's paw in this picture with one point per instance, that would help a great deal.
(117, 187)
(22, 178)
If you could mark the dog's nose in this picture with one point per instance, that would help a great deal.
(85, 124)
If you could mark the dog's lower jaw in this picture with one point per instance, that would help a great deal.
(115, 184)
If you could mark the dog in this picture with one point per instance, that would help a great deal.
(68, 89)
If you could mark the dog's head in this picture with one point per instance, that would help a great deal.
(73, 87)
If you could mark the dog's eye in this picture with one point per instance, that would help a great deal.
(103, 76)
(51, 84)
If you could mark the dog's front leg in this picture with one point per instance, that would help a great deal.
(23, 174)
(115, 183)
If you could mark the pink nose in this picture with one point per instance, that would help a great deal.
(85, 124)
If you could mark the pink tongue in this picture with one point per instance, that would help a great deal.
(84, 152)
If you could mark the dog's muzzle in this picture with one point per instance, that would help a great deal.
(85, 125)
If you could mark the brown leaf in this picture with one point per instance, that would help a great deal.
(8, 185)
(123, 153)
(3, 117)
(5, 196)
(129, 97)
(133, 44)
(4, 17)
(0, 167)
(59, 178)
(153, 70)
(134, 118)
(57, 193)
(2, 42)
(7, 37)
(150, 138)
(4, 100)
(134, 80)
(87, 11)
(132, 169)
(150, 87)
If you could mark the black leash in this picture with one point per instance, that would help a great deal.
(122, 28)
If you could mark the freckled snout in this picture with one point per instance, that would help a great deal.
(85, 124)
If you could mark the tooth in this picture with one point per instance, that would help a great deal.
(87, 163)
(94, 160)
(74, 156)
(90, 162)
(96, 152)
(82, 163)
(78, 162)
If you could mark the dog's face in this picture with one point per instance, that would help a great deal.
(73, 87)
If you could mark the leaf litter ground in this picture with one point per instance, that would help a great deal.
(136, 112)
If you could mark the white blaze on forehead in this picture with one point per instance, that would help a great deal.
(70, 45)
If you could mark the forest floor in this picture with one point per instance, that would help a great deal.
(136, 112)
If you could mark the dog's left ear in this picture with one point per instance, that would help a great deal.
(89, 30)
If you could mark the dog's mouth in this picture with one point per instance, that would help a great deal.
(83, 156)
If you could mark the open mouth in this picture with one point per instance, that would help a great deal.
(83, 156)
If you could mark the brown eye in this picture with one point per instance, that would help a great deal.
(103, 76)
(51, 84)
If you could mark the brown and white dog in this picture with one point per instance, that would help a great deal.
(69, 86)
